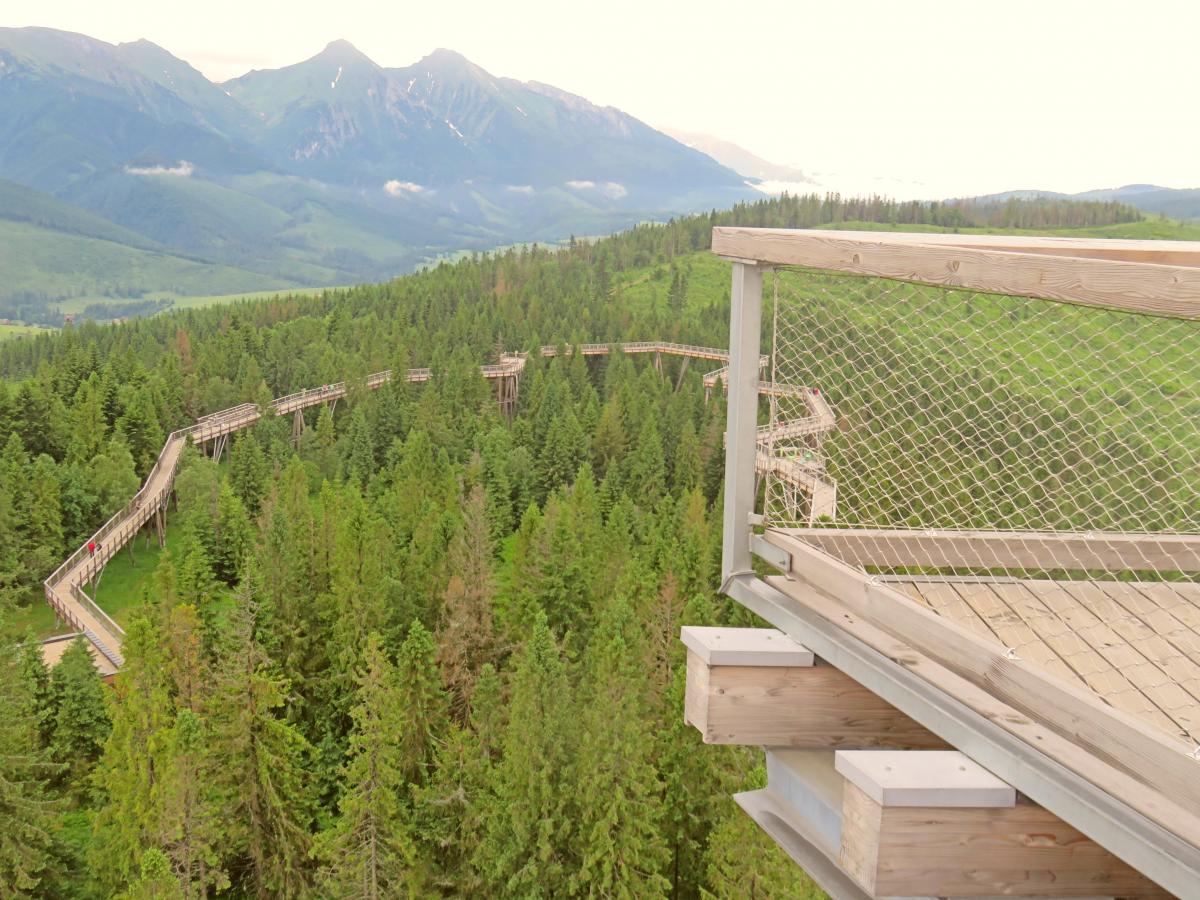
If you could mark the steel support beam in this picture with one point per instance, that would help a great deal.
(1152, 850)
(741, 426)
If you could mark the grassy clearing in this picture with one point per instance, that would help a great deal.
(7, 332)
(181, 301)
(646, 290)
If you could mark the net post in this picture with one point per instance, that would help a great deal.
(741, 426)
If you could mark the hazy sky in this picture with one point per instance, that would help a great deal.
(931, 97)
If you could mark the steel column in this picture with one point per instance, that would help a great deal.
(741, 426)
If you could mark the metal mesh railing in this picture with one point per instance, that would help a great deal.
(927, 429)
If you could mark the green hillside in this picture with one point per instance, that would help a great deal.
(21, 204)
(42, 266)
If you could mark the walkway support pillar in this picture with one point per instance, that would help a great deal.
(741, 424)
(683, 367)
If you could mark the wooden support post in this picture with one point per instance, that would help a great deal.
(160, 525)
(758, 686)
(934, 823)
(658, 362)
(506, 394)
(297, 426)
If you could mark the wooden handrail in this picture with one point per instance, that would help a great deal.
(1151, 277)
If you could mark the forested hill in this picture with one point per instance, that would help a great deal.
(429, 651)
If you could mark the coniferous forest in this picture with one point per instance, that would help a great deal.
(429, 650)
(426, 652)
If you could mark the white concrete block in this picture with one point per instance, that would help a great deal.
(744, 646)
(938, 778)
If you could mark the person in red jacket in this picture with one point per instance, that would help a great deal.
(91, 548)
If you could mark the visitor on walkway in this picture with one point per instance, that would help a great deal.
(91, 548)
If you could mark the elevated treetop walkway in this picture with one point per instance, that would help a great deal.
(1012, 567)
(66, 589)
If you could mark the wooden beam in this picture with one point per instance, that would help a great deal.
(1028, 550)
(1175, 253)
(920, 824)
(779, 703)
(1152, 288)
(1162, 762)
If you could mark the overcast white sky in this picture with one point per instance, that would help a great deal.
(931, 97)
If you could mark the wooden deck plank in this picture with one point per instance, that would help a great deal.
(1128, 667)
(1078, 632)
(943, 599)
(909, 589)
(1156, 620)
(1136, 633)
(1174, 598)
(1049, 644)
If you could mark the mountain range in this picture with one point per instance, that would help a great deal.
(1174, 203)
(329, 171)
(740, 159)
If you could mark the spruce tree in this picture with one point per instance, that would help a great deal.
(263, 791)
(35, 696)
(154, 880)
(28, 815)
(81, 723)
(249, 471)
(466, 635)
(526, 850)
(187, 799)
(450, 811)
(128, 772)
(368, 852)
(618, 844)
(323, 440)
(358, 461)
(424, 703)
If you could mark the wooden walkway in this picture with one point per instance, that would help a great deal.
(66, 590)
(1134, 644)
